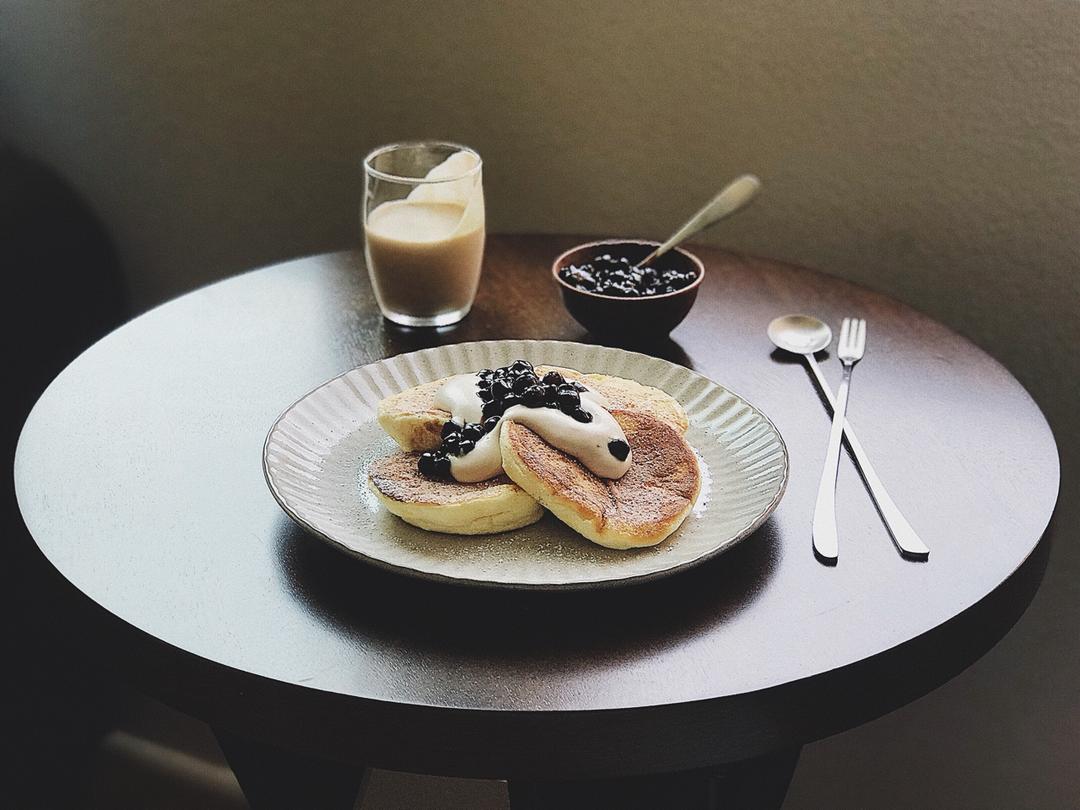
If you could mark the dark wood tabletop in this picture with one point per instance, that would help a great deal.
(138, 474)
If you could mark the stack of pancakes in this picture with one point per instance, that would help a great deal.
(639, 509)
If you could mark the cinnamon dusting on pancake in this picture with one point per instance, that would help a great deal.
(641, 508)
(397, 478)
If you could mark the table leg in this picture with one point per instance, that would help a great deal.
(759, 783)
(275, 779)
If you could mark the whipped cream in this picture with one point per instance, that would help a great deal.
(586, 441)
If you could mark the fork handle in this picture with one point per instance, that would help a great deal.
(907, 541)
(826, 543)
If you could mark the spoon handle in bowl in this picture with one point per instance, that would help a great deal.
(734, 196)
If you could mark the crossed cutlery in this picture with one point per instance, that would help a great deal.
(805, 335)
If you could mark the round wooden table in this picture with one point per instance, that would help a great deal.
(138, 474)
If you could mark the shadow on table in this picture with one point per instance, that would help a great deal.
(360, 600)
(789, 359)
(664, 348)
(397, 339)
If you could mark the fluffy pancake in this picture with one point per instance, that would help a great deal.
(411, 418)
(630, 395)
(496, 505)
(413, 421)
(640, 509)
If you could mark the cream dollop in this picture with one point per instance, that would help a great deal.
(585, 441)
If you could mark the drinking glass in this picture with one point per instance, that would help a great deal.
(423, 218)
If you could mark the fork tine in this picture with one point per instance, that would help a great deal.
(861, 341)
(845, 334)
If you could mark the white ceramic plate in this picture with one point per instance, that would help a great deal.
(317, 453)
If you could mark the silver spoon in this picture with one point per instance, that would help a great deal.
(731, 198)
(805, 335)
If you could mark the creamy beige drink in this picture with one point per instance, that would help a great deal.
(424, 233)
(425, 257)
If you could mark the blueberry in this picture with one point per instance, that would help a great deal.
(500, 389)
(569, 398)
(465, 446)
(533, 396)
(551, 393)
(553, 378)
(619, 449)
(450, 427)
(491, 423)
(523, 381)
(491, 410)
(581, 415)
(451, 442)
(510, 400)
(426, 464)
(581, 389)
(473, 432)
(442, 466)
(520, 366)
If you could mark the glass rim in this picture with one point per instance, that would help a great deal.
(397, 178)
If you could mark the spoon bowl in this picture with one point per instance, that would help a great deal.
(800, 334)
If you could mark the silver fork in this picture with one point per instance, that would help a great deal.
(849, 349)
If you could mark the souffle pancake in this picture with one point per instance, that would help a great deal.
(641, 508)
(606, 455)
(484, 507)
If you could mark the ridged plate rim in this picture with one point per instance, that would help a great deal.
(481, 582)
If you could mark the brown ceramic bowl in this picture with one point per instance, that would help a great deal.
(642, 318)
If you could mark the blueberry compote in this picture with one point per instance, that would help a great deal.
(499, 390)
(620, 277)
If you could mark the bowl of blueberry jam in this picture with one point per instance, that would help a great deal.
(608, 292)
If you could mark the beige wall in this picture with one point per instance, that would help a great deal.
(929, 149)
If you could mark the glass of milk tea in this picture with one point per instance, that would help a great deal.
(424, 230)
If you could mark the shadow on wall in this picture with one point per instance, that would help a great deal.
(64, 290)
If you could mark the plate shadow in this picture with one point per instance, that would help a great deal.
(365, 602)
